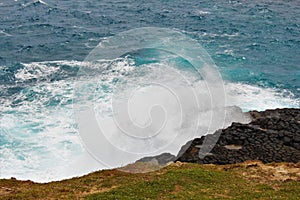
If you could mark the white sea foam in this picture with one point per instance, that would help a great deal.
(202, 12)
(215, 35)
(40, 134)
(35, 71)
(34, 2)
(251, 97)
(40, 130)
(4, 33)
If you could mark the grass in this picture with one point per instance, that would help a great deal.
(252, 180)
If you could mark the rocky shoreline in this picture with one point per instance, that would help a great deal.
(271, 136)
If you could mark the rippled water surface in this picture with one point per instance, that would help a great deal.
(255, 44)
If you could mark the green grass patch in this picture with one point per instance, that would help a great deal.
(187, 181)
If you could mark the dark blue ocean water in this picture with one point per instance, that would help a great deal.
(255, 44)
(251, 41)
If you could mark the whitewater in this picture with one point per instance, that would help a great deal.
(44, 46)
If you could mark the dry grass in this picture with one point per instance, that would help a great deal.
(249, 180)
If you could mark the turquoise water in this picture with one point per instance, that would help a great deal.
(255, 45)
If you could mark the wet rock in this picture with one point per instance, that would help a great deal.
(271, 136)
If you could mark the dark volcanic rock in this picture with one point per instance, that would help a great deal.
(271, 136)
(284, 114)
(161, 159)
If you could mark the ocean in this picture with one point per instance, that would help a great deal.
(255, 46)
